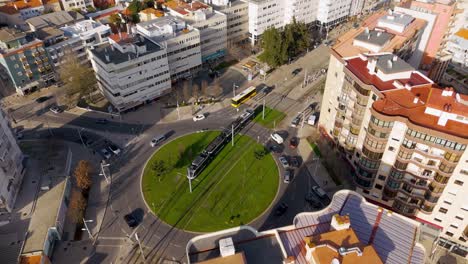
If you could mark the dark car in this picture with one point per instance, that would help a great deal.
(296, 71)
(295, 161)
(287, 177)
(293, 142)
(43, 99)
(131, 220)
(102, 121)
(312, 106)
(266, 89)
(275, 148)
(281, 209)
(295, 122)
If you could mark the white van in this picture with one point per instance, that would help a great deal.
(277, 138)
(157, 140)
(311, 120)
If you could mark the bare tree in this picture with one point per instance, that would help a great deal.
(204, 88)
(82, 175)
(186, 90)
(195, 92)
(216, 88)
(77, 206)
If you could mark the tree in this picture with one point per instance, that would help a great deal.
(116, 20)
(186, 91)
(77, 206)
(78, 78)
(272, 46)
(82, 175)
(148, 3)
(216, 88)
(159, 167)
(204, 88)
(195, 92)
(181, 150)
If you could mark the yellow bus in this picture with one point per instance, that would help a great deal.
(243, 96)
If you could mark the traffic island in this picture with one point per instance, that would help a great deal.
(236, 187)
(271, 119)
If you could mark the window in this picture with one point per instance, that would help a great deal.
(446, 168)
(404, 155)
(378, 186)
(400, 165)
(454, 226)
(450, 234)
(437, 220)
(375, 144)
(443, 210)
(381, 177)
(464, 172)
(370, 164)
(459, 217)
(462, 239)
(448, 202)
(380, 122)
(457, 182)
(391, 148)
(370, 154)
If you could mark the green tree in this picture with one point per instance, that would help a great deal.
(78, 78)
(272, 47)
(148, 3)
(135, 7)
(115, 19)
(159, 167)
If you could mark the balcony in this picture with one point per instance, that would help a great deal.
(427, 153)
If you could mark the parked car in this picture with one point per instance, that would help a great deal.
(288, 174)
(296, 71)
(277, 138)
(131, 220)
(293, 142)
(56, 110)
(312, 106)
(42, 99)
(266, 89)
(275, 148)
(281, 209)
(157, 140)
(319, 191)
(105, 153)
(295, 161)
(102, 121)
(114, 149)
(310, 198)
(295, 122)
(198, 117)
(284, 161)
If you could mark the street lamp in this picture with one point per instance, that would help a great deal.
(103, 172)
(86, 227)
(234, 86)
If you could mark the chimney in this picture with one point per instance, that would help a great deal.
(395, 58)
(416, 100)
(340, 222)
(107, 57)
(15, 6)
(366, 30)
(371, 65)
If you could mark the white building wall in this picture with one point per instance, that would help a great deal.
(69, 5)
(237, 13)
(11, 167)
(213, 35)
(331, 12)
(184, 54)
(264, 14)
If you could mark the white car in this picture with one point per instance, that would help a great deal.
(114, 149)
(277, 138)
(198, 118)
(56, 110)
(311, 120)
(157, 140)
(105, 153)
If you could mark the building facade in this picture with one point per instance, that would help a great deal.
(131, 70)
(11, 165)
(264, 14)
(237, 15)
(25, 60)
(332, 12)
(182, 43)
(458, 47)
(16, 12)
(69, 5)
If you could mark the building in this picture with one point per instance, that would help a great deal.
(333, 12)
(16, 12)
(458, 47)
(25, 60)
(237, 12)
(69, 5)
(349, 230)
(11, 164)
(264, 14)
(131, 70)
(181, 41)
(211, 24)
(150, 14)
(55, 19)
(436, 57)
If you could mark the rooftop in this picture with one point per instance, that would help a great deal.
(425, 106)
(152, 11)
(85, 28)
(48, 33)
(345, 46)
(381, 236)
(388, 66)
(395, 21)
(184, 8)
(462, 33)
(10, 34)
(55, 19)
(14, 7)
(164, 27)
(45, 215)
(374, 37)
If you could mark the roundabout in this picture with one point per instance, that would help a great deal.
(237, 186)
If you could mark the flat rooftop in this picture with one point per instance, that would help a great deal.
(374, 37)
(397, 19)
(117, 57)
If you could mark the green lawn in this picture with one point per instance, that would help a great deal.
(272, 117)
(234, 189)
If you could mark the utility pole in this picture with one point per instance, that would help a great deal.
(178, 113)
(305, 78)
(232, 134)
(234, 86)
(86, 227)
(263, 112)
(141, 248)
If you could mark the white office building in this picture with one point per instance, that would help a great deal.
(237, 12)
(11, 165)
(211, 24)
(70, 5)
(332, 12)
(131, 70)
(182, 43)
(264, 14)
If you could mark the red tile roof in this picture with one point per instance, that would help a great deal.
(401, 103)
(14, 7)
(358, 67)
(183, 8)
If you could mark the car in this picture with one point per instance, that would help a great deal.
(295, 161)
(105, 153)
(131, 220)
(311, 120)
(157, 140)
(310, 198)
(245, 115)
(288, 174)
(266, 89)
(296, 120)
(296, 71)
(114, 149)
(312, 106)
(293, 142)
(281, 209)
(102, 121)
(275, 148)
(198, 117)
(56, 109)
(319, 191)
(42, 99)
(284, 161)
(277, 138)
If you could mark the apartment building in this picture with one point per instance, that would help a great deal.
(264, 14)
(332, 12)
(458, 47)
(436, 57)
(69, 5)
(237, 13)
(182, 43)
(211, 24)
(11, 164)
(131, 70)
(25, 60)
(348, 230)
(16, 12)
